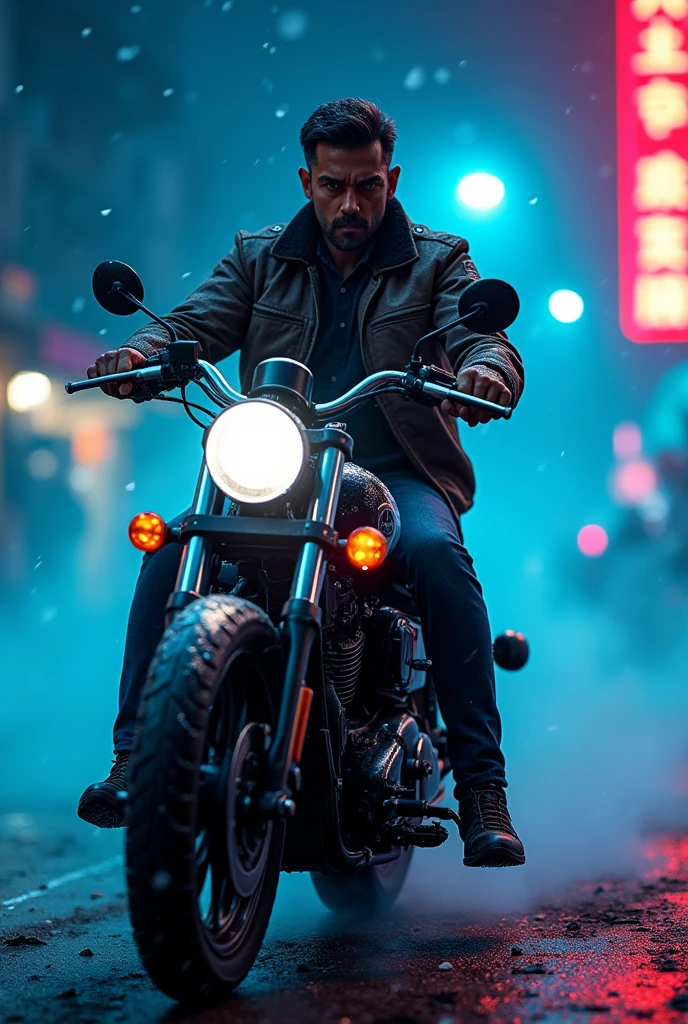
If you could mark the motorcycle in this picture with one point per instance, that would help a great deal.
(288, 721)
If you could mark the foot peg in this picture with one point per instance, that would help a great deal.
(407, 834)
(425, 836)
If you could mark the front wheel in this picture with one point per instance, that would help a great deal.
(202, 873)
(365, 891)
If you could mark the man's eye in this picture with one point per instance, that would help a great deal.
(369, 185)
(332, 185)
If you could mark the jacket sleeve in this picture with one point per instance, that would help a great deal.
(216, 314)
(464, 347)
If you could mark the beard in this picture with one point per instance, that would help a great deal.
(343, 243)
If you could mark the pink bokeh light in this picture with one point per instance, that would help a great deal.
(593, 541)
(634, 482)
(627, 440)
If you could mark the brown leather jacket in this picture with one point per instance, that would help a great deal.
(262, 298)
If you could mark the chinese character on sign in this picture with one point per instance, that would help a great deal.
(662, 107)
(644, 9)
(661, 301)
(662, 182)
(662, 242)
(662, 51)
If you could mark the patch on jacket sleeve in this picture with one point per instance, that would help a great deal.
(471, 270)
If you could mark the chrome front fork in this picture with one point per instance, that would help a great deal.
(193, 578)
(301, 622)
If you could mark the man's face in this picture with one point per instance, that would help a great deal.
(350, 189)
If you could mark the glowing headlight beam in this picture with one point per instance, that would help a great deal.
(255, 451)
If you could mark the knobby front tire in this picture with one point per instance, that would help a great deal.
(209, 680)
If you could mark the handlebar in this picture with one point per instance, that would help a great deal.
(214, 384)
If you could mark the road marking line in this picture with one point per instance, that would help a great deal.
(73, 876)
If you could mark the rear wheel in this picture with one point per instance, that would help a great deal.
(202, 871)
(365, 891)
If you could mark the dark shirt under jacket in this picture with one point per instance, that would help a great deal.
(337, 364)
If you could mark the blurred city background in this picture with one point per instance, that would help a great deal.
(152, 132)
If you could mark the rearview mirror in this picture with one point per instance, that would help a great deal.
(495, 305)
(112, 273)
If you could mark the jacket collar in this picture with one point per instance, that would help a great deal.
(394, 244)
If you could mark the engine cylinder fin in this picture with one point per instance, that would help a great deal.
(343, 660)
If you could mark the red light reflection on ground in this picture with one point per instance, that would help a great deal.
(666, 855)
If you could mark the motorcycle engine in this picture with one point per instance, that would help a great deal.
(389, 757)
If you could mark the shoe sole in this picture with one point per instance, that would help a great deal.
(100, 813)
(497, 857)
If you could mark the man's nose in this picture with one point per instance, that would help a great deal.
(350, 203)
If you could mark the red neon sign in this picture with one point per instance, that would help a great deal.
(652, 113)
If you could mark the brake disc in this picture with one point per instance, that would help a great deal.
(248, 835)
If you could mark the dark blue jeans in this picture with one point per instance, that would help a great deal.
(432, 559)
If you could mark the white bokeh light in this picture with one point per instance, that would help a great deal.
(28, 389)
(566, 306)
(481, 191)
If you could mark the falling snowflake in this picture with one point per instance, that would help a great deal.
(227, 5)
(462, 64)
(85, 32)
(533, 201)
(187, 274)
(18, 89)
(127, 53)
(292, 24)
(442, 75)
(131, 486)
(267, 84)
(78, 304)
(106, 213)
(168, 92)
(281, 110)
(414, 79)
(136, 9)
(103, 331)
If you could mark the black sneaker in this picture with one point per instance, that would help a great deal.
(489, 838)
(103, 803)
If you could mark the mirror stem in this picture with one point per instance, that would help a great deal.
(119, 289)
(416, 360)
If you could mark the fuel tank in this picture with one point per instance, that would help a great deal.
(365, 501)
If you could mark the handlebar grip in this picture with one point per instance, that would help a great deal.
(440, 392)
(128, 377)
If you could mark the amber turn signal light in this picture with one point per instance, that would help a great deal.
(366, 548)
(147, 531)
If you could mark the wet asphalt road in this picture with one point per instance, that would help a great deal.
(612, 950)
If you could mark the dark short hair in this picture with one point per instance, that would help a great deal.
(350, 123)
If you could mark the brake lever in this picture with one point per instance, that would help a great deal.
(171, 367)
(431, 385)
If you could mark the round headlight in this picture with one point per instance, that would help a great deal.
(255, 451)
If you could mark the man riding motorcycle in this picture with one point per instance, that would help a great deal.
(337, 288)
